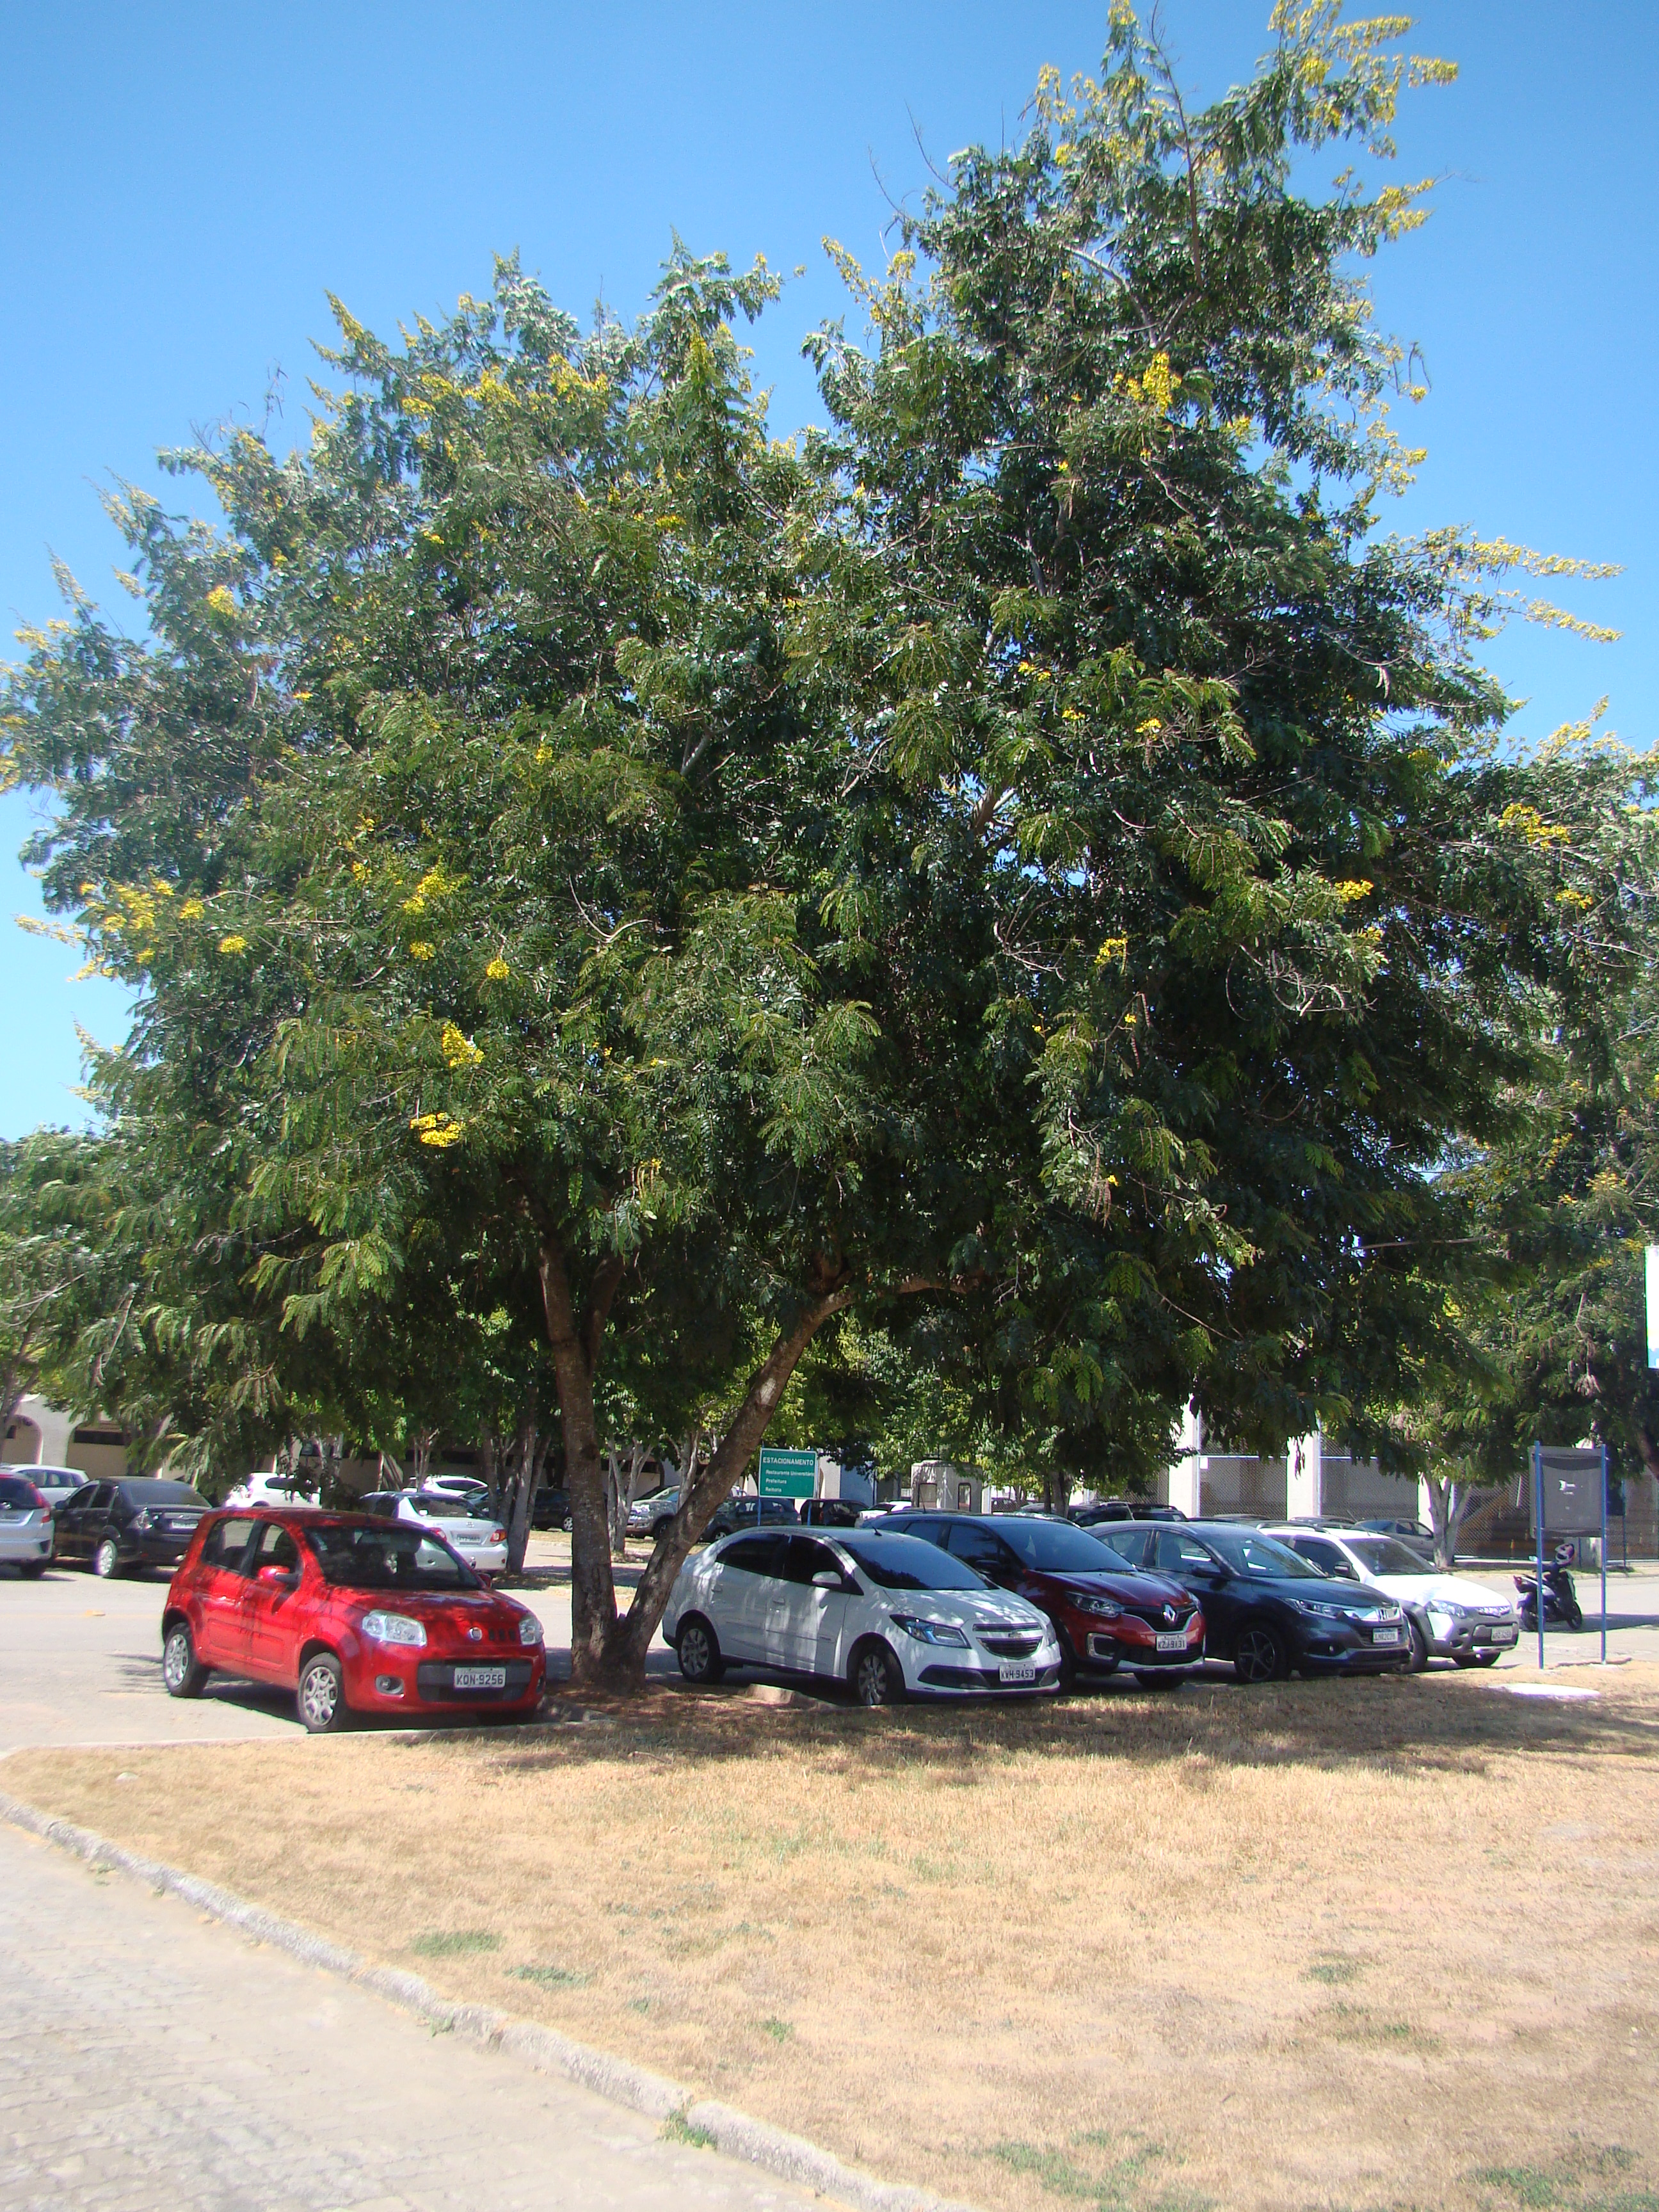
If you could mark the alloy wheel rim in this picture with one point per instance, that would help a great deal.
(873, 1679)
(1257, 1650)
(175, 1659)
(320, 1694)
(693, 1649)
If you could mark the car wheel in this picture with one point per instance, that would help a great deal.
(1419, 1658)
(699, 1650)
(1476, 1658)
(321, 1694)
(876, 1676)
(567, 1524)
(182, 1671)
(660, 1528)
(1159, 1678)
(32, 1570)
(106, 1560)
(1260, 1654)
(1067, 1659)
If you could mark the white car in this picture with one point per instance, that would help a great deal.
(269, 1489)
(479, 1538)
(25, 1524)
(889, 1615)
(1448, 1616)
(466, 1487)
(55, 1484)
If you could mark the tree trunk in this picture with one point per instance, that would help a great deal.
(1449, 1501)
(621, 1656)
(524, 1462)
(574, 1343)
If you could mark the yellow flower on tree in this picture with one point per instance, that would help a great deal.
(422, 951)
(232, 944)
(498, 971)
(438, 1131)
(459, 1049)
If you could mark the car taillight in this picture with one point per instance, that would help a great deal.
(498, 1535)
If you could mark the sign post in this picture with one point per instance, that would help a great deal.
(1538, 1515)
(784, 1474)
(1653, 1305)
(1604, 1555)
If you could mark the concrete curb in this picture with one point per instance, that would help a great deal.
(735, 2134)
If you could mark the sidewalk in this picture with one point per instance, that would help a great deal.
(153, 2062)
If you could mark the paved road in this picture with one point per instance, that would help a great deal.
(153, 2062)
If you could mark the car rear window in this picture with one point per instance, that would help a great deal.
(151, 1491)
(907, 1563)
(435, 1506)
(1386, 1555)
(15, 1492)
(395, 1557)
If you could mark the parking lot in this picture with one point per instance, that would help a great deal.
(80, 1656)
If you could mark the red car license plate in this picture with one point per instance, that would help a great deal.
(481, 1678)
(1172, 1642)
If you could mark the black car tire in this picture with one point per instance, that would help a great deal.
(106, 1558)
(1067, 1658)
(1419, 1659)
(876, 1676)
(567, 1524)
(320, 1695)
(1476, 1658)
(1160, 1678)
(660, 1528)
(183, 1674)
(699, 1650)
(1259, 1654)
(32, 1570)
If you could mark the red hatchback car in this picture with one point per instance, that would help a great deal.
(355, 1615)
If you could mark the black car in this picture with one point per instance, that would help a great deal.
(739, 1513)
(1266, 1609)
(141, 1521)
(829, 1513)
(549, 1509)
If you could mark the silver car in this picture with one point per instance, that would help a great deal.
(25, 1525)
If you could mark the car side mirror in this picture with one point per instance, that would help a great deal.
(1346, 1569)
(826, 1578)
(276, 1578)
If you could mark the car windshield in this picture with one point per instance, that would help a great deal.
(1386, 1555)
(164, 1493)
(15, 1492)
(388, 1557)
(1260, 1555)
(909, 1563)
(1055, 1547)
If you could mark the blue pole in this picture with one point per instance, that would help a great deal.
(1538, 1515)
(1604, 1555)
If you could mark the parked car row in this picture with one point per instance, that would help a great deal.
(1162, 1598)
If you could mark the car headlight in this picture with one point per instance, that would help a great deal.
(929, 1631)
(1105, 1609)
(1321, 1612)
(392, 1628)
(530, 1629)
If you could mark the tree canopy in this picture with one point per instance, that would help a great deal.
(1030, 876)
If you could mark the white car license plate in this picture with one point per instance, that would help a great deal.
(1385, 1636)
(1175, 1642)
(481, 1678)
(1011, 1671)
(1506, 1634)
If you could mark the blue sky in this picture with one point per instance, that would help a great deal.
(179, 186)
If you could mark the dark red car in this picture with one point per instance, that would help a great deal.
(355, 1615)
(1106, 1614)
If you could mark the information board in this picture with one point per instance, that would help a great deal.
(787, 1474)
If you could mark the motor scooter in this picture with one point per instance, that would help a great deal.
(1561, 1606)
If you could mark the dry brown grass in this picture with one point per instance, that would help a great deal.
(1329, 1945)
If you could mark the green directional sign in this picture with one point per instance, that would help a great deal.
(787, 1473)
